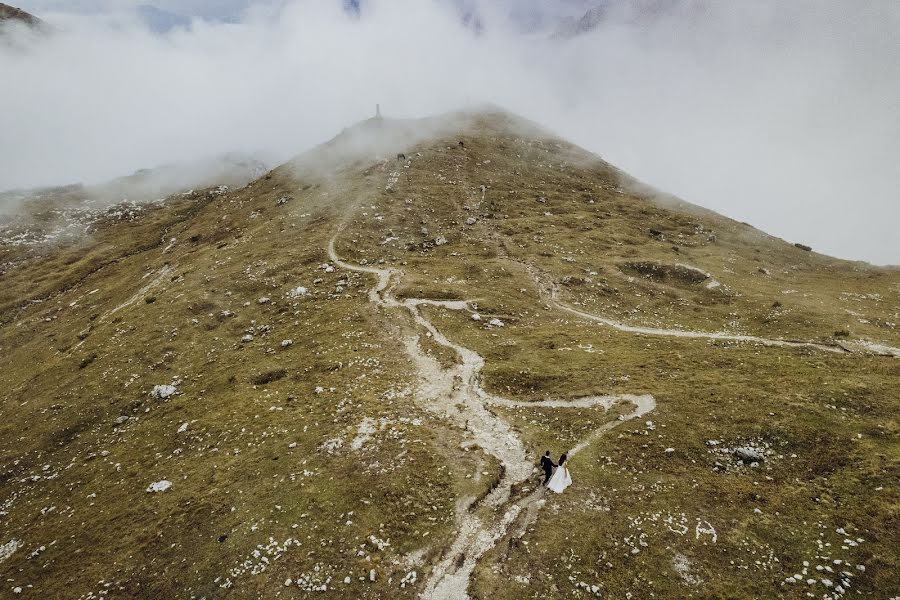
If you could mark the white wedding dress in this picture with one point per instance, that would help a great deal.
(560, 480)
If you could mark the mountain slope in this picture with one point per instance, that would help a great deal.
(367, 353)
(11, 13)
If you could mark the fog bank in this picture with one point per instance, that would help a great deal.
(780, 114)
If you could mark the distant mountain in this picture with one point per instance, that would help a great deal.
(352, 7)
(635, 13)
(11, 13)
(589, 21)
(162, 21)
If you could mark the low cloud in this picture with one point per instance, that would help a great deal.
(780, 114)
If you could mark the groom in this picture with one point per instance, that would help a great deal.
(547, 465)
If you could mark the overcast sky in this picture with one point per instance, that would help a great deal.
(782, 114)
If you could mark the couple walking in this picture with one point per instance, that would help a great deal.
(556, 477)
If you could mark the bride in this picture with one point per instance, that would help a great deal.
(561, 478)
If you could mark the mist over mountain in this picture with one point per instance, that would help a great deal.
(449, 300)
(161, 21)
(773, 113)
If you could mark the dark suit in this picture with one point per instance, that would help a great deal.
(547, 465)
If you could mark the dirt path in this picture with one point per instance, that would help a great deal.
(456, 394)
(550, 293)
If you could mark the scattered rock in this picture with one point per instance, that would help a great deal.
(440, 241)
(163, 392)
(159, 486)
(247, 339)
(264, 300)
(122, 420)
(748, 454)
(332, 446)
(409, 579)
(287, 343)
(8, 549)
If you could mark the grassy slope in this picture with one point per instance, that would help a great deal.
(234, 473)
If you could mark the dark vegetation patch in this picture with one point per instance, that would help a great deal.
(664, 273)
(269, 376)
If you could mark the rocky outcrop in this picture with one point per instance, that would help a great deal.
(11, 13)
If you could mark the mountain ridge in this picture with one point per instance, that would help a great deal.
(335, 380)
(11, 13)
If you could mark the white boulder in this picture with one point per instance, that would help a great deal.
(159, 486)
(163, 392)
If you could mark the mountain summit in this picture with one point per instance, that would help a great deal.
(338, 379)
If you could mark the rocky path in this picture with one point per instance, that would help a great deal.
(456, 394)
